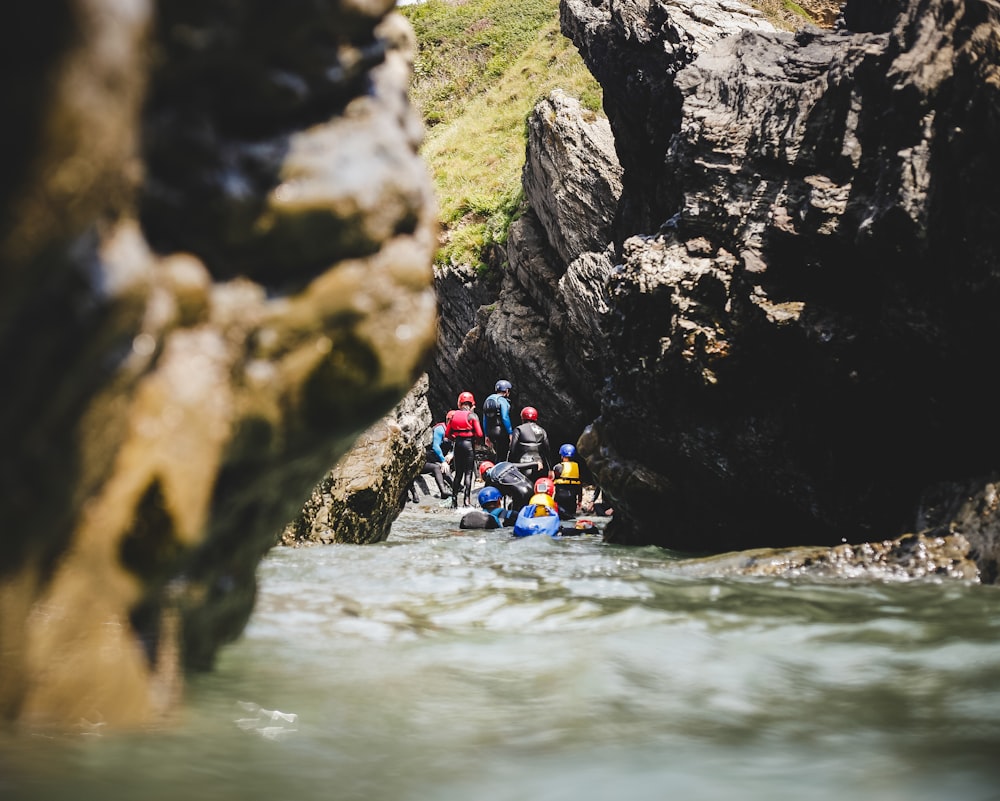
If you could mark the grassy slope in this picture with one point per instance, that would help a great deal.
(481, 67)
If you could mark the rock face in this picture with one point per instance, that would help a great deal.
(635, 50)
(540, 330)
(783, 340)
(819, 282)
(357, 501)
(214, 274)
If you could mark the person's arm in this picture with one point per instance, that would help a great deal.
(436, 443)
(476, 428)
(515, 440)
(505, 416)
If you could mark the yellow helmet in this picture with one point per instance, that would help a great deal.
(542, 499)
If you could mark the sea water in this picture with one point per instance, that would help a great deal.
(449, 665)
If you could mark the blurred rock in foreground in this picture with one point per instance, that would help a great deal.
(215, 273)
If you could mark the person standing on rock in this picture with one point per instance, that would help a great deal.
(463, 429)
(496, 412)
(529, 445)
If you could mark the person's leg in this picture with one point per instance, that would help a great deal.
(502, 446)
(566, 501)
(470, 473)
(463, 458)
(434, 468)
(456, 481)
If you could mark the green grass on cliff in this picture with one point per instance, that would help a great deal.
(481, 67)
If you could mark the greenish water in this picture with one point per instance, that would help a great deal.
(448, 666)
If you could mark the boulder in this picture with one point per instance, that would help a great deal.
(357, 500)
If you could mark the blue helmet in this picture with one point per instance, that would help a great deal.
(502, 386)
(488, 495)
(567, 451)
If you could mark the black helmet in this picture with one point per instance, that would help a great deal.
(502, 386)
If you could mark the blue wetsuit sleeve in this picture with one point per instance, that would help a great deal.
(505, 415)
(436, 443)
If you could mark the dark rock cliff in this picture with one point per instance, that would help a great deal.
(793, 333)
(789, 331)
(539, 328)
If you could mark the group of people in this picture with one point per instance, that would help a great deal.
(523, 474)
(509, 498)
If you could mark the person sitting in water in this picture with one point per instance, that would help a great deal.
(508, 478)
(492, 514)
(597, 505)
(436, 460)
(538, 516)
(543, 504)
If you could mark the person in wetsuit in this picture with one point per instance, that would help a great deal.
(492, 514)
(463, 429)
(529, 443)
(496, 419)
(508, 478)
(435, 459)
(569, 487)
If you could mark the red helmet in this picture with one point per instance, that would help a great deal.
(546, 485)
(466, 397)
(485, 465)
(529, 413)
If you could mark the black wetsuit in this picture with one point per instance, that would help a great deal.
(481, 518)
(530, 443)
(433, 466)
(508, 478)
(463, 429)
(496, 425)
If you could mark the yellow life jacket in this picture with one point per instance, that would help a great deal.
(569, 473)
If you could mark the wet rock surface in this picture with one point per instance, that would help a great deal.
(358, 500)
(912, 557)
(782, 341)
